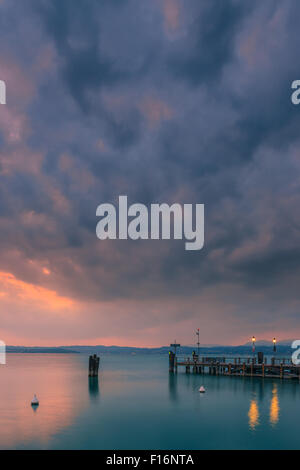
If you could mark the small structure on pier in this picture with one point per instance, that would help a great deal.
(175, 346)
(172, 356)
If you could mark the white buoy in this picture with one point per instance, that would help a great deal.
(202, 389)
(35, 401)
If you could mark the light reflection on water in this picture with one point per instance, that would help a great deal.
(52, 378)
(136, 403)
(253, 414)
(274, 406)
(274, 409)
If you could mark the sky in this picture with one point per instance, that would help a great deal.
(162, 101)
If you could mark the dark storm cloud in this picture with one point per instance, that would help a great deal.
(209, 43)
(87, 67)
(198, 111)
(75, 31)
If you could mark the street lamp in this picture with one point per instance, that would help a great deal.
(253, 344)
(198, 336)
(274, 344)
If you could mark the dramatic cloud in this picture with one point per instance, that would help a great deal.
(163, 101)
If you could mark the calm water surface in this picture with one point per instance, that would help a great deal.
(137, 405)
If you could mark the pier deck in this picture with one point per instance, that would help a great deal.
(280, 368)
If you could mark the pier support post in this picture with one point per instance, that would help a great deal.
(171, 361)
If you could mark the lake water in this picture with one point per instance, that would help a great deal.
(137, 405)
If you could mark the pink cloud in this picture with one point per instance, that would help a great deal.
(22, 160)
(155, 110)
(13, 124)
(19, 86)
(81, 179)
(171, 11)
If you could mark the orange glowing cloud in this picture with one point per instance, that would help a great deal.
(11, 286)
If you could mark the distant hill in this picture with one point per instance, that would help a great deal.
(37, 349)
(217, 350)
(242, 350)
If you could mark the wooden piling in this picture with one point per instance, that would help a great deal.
(94, 365)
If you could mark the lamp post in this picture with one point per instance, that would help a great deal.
(253, 344)
(198, 342)
(274, 344)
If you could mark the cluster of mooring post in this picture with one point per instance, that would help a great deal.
(94, 365)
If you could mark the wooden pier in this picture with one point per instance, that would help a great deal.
(279, 368)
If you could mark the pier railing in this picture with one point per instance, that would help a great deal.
(234, 359)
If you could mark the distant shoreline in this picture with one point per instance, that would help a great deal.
(246, 350)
